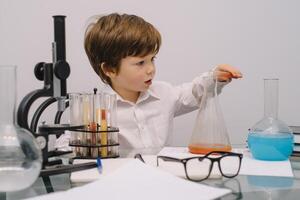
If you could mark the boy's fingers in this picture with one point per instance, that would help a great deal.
(234, 73)
(226, 76)
(223, 76)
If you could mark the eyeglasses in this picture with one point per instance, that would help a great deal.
(199, 168)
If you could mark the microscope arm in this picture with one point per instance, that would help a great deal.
(42, 71)
(39, 111)
(25, 105)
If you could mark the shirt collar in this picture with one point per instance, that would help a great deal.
(148, 94)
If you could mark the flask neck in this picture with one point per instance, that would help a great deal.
(271, 98)
(7, 94)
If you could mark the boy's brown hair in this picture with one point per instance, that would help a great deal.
(114, 37)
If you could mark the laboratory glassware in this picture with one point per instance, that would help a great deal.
(20, 156)
(97, 112)
(270, 138)
(210, 132)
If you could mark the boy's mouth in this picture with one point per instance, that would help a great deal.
(149, 82)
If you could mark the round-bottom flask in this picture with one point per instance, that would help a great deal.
(20, 156)
(271, 138)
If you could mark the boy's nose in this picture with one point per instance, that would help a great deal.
(150, 69)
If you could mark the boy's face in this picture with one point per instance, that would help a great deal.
(135, 75)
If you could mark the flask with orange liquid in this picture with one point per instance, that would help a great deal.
(210, 132)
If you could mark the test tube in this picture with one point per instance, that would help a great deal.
(103, 124)
(104, 138)
(93, 126)
(86, 117)
(98, 120)
(112, 123)
(75, 119)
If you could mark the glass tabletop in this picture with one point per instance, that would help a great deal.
(243, 187)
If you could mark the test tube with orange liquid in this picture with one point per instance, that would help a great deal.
(93, 129)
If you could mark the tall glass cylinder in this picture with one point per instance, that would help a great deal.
(20, 156)
(271, 98)
(270, 138)
(7, 94)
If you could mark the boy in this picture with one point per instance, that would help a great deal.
(121, 50)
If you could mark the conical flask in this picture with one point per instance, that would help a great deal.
(20, 156)
(270, 138)
(210, 132)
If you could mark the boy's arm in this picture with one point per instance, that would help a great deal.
(189, 95)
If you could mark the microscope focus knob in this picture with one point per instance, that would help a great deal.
(39, 71)
(62, 70)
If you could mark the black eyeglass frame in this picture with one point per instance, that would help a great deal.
(213, 160)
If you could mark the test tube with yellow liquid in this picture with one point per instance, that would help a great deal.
(103, 127)
(103, 139)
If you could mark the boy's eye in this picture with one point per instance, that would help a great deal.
(141, 62)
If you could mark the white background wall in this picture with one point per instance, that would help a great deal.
(260, 37)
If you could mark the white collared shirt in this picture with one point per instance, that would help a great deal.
(148, 122)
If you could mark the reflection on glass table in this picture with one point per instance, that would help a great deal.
(261, 187)
(242, 186)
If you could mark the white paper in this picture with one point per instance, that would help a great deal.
(251, 166)
(136, 180)
(108, 166)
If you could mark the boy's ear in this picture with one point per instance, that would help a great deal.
(108, 71)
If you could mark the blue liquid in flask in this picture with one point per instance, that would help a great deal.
(273, 147)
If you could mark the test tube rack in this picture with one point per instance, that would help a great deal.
(89, 144)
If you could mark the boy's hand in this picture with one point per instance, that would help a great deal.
(226, 72)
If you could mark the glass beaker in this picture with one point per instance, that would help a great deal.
(210, 132)
(20, 156)
(270, 138)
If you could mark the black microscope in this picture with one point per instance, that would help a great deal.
(55, 76)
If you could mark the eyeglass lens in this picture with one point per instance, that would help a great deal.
(199, 169)
(229, 166)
